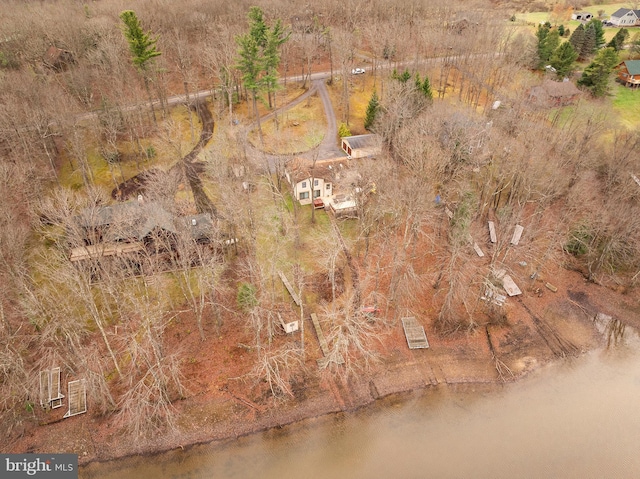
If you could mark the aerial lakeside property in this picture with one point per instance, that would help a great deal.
(218, 219)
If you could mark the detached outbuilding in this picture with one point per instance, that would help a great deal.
(362, 146)
(582, 16)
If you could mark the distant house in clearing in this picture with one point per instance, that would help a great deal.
(554, 93)
(625, 17)
(582, 16)
(629, 73)
(361, 146)
(300, 176)
(58, 59)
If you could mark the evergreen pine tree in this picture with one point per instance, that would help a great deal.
(599, 29)
(563, 58)
(142, 48)
(404, 76)
(372, 110)
(596, 76)
(589, 43)
(617, 42)
(426, 88)
(577, 38)
(548, 41)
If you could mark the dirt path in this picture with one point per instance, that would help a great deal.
(192, 169)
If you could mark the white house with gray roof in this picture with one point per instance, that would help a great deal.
(625, 17)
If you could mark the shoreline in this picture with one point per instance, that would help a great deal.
(287, 418)
(217, 411)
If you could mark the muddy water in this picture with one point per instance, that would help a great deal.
(575, 419)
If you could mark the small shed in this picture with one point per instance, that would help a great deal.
(362, 146)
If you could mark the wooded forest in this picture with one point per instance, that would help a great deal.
(158, 117)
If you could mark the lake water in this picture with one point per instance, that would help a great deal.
(578, 418)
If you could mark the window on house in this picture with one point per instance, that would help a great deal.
(315, 182)
(328, 186)
(304, 195)
(316, 193)
(304, 184)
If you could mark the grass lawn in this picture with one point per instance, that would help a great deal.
(299, 129)
(626, 102)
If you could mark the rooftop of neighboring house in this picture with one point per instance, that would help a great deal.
(621, 12)
(633, 66)
(137, 219)
(554, 89)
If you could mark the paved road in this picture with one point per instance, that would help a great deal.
(329, 147)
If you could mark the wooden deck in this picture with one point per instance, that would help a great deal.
(104, 249)
(324, 346)
(414, 332)
(285, 281)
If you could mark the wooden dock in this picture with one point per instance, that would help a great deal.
(492, 232)
(517, 234)
(324, 346)
(285, 281)
(414, 332)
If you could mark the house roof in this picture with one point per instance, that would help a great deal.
(300, 170)
(363, 141)
(198, 226)
(556, 89)
(621, 12)
(132, 219)
(633, 66)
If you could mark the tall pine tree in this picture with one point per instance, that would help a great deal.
(259, 58)
(599, 29)
(563, 58)
(372, 111)
(596, 76)
(577, 38)
(617, 42)
(589, 43)
(142, 47)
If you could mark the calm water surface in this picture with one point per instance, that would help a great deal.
(579, 418)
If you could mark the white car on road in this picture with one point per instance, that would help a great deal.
(357, 71)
